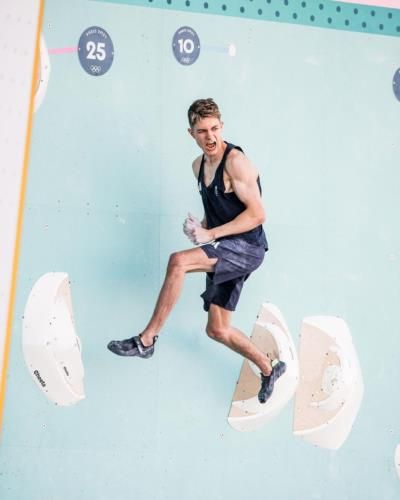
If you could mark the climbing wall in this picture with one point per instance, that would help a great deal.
(310, 91)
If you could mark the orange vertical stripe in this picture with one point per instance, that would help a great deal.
(10, 313)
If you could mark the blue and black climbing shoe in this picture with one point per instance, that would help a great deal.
(268, 381)
(132, 347)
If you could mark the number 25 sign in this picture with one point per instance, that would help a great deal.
(96, 51)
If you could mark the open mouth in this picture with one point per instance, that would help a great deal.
(211, 146)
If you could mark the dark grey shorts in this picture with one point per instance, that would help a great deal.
(237, 259)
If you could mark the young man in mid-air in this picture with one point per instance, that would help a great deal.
(233, 245)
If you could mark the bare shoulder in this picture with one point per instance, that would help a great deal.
(239, 165)
(196, 166)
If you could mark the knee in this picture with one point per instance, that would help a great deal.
(176, 261)
(216, 333)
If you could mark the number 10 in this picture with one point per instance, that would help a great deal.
(186, 46)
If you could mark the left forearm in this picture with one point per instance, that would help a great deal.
(246, 221)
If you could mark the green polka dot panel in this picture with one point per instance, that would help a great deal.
(323, 14)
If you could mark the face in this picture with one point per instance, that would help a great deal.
(207, 133)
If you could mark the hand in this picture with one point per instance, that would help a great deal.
(191, 222)
(200, 235)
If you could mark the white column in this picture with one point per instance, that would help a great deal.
(19, 20)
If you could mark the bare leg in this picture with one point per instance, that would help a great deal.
(220, 329)
(180, 263)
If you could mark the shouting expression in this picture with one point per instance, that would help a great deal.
(207, 133)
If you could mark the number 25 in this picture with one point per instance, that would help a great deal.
(96, 52)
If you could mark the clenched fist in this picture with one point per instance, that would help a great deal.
(195, 232)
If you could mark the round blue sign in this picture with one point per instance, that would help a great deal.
(96, 51)
(396, 84)
(186, 45)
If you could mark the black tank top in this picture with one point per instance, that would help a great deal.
(221, 207)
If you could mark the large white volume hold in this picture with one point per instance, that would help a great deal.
(271, 335)
(331, 387)
(52, 350)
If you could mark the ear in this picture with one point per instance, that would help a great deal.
(191, 132)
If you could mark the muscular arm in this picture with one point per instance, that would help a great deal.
(243, 177)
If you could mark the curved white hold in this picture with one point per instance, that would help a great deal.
(272, 336)
(52, 350)
(397, 460)
(43, 76)
(335, 387)
(331, 388)
(270, 313)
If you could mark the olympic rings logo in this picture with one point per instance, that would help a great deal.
(95, 69)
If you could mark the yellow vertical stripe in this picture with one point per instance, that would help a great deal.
(10, 312)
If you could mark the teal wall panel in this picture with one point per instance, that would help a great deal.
(110, 184)
(320, 13)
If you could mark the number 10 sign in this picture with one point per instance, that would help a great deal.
(186, 45)
(96, 51)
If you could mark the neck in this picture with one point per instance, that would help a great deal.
(214, 159)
